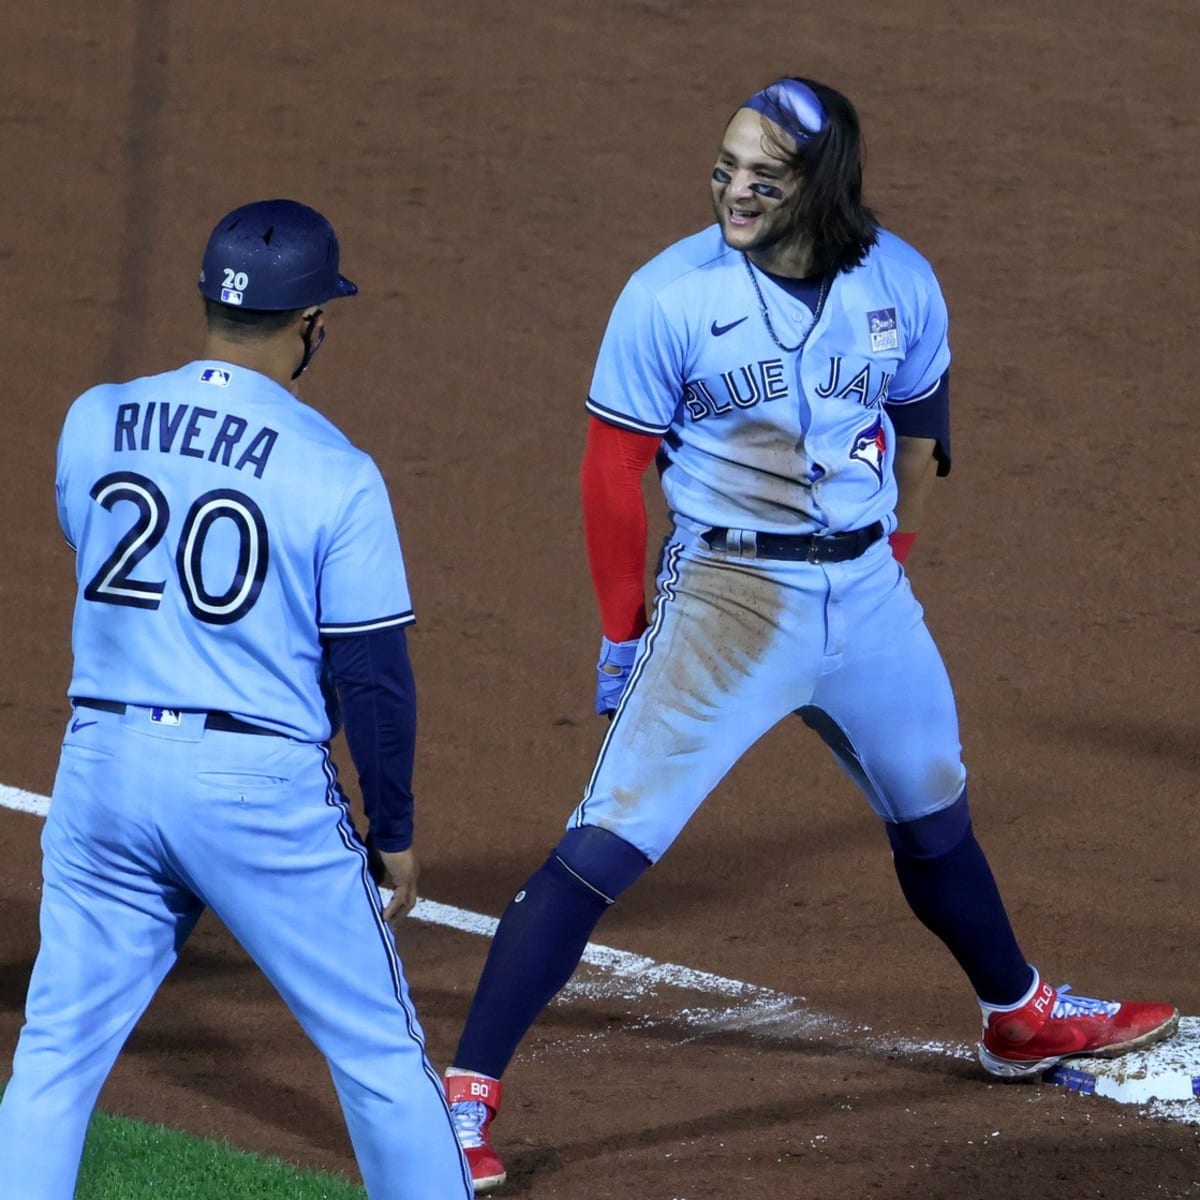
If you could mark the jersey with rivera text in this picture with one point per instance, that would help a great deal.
(221, 529)
(772, 422)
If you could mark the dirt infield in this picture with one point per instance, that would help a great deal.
(495, 174)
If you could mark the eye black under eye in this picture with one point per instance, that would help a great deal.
(721, 175)
(767, 189)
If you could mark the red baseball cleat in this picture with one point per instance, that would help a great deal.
(474, 1100)
(1053, 1024)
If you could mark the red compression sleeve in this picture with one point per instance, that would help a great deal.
(614, 524)
(901, 544)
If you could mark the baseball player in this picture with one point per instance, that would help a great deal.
(241, 591)
(787, 370)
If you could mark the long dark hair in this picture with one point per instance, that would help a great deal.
(828, 209)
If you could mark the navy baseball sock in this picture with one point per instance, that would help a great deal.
(539, 942)
(948, 884)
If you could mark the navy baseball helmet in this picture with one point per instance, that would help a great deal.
(272, 256)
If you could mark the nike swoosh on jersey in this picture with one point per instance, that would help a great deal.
(717, 330)
(77, 724)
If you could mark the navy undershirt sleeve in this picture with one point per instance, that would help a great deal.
(928, 417)
(375, 686)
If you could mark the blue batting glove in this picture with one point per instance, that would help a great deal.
(612, 673)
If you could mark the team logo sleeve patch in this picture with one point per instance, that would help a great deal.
(881, 324)
(870, 447)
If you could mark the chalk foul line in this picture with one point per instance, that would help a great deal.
(612, 974)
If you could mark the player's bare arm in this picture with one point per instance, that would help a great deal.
(916, 469)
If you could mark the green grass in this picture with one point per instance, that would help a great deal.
(127, 1160)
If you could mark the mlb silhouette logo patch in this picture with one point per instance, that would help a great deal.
(882, 326)
(165, 716)
(215, 376)
(231, 296)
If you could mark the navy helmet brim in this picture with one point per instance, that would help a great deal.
(345, 287)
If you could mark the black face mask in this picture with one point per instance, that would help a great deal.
(310, 347)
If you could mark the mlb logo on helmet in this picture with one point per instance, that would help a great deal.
(231, 296)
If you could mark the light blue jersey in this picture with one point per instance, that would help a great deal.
(222, 528)
(769, 421)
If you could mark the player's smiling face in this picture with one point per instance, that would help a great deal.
(751, 188)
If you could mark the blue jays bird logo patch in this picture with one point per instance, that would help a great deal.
(870, 447)
(882, 326)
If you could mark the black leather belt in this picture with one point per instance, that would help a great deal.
(223, 722)
(794, 547)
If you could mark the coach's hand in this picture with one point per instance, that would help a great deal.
(400, 871)
(612, 673)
